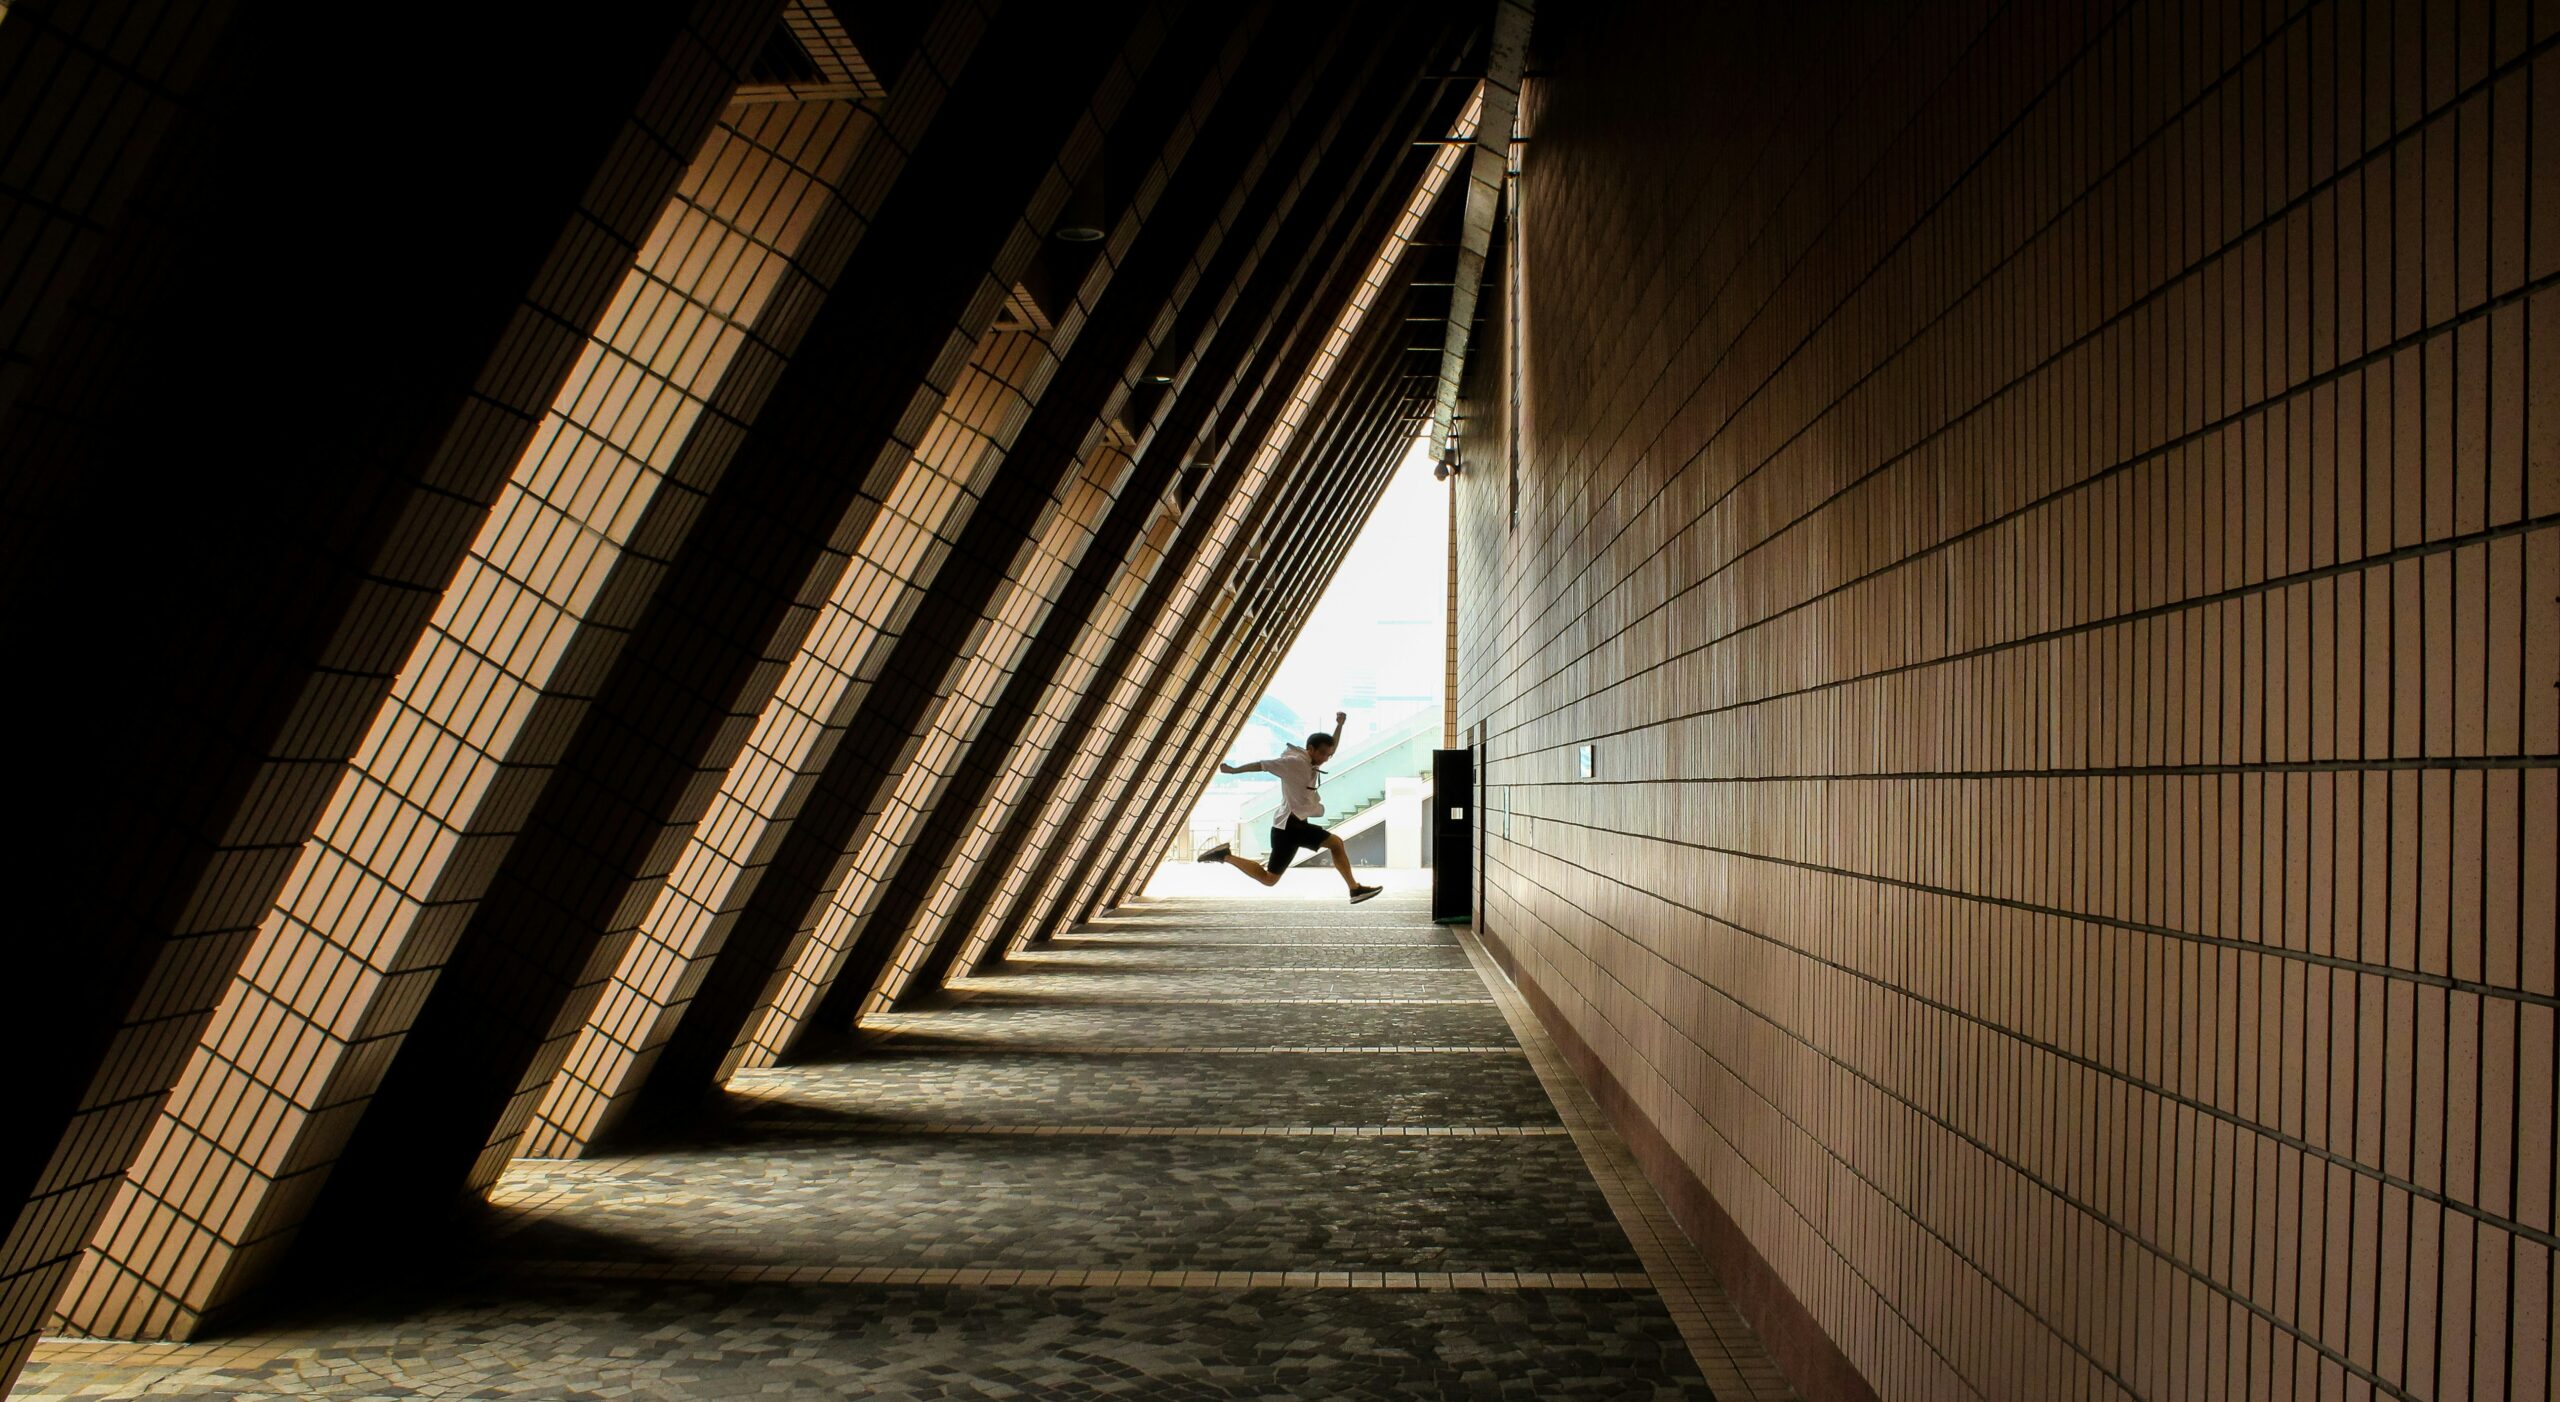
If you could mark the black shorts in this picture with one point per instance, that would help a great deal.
(1289, 839)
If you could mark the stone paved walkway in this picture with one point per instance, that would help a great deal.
(1231, 1145)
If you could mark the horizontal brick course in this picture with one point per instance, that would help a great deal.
(2042, 515)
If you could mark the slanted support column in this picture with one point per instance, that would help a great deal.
(580, 849)
(1094, 778)
(1216, 731)
(1076, 899)
(869, 799)
(1151, 744)
(1224, 610)
(900, 552)
(1340, 489)
(1033, 727)
(233, 632)
(252, 1122)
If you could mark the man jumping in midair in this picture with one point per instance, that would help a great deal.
(1299, 770)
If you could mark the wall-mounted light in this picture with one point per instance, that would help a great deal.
(1447, 467)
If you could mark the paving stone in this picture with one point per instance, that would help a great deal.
(1086, 981)
(1171, 953)
(1111, 1103)
(1242, 1089)
(1202, 1024)
(1079, 1201)
(548, 1340)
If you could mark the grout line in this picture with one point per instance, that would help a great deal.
(919, 1047)
(1072, 1277)
(1725, 1348)
(1044, 1001)
(1154, 970)
(816, 1127)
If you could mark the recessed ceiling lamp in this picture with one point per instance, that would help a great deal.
(1082, 219)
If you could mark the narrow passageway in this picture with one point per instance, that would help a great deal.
(1216, 1145)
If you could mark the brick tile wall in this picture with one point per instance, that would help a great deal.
(187, 331)
(2051, 519)
(585, 853)
(1325, 232)
(902, 550)
(368, 909)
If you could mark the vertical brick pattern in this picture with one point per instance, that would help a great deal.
(2051, 518)
(371, 906)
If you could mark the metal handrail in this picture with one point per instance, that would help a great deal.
(1357, 777)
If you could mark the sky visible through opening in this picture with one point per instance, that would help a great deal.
(1372, 648)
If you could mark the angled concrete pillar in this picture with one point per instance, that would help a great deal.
(324, 423)
(1317, 492)
(227, 1169)
(870, 795)
(1222, 609)
(1103, 862)
(1092, 781)
(1388, 444)
(1045, 697)
(690, 910)
(576, 857)
(896, 559)
(476, 730)
(1131, 784)
(1300, 558)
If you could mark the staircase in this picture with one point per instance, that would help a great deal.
(1356, 778)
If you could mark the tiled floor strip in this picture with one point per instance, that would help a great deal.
(1732, 1358)
(981, 1204)
(1075, 1277)
(1172, 1131)
(1206, 1049)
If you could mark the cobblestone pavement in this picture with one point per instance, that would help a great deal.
(1231, 1148)
(1236, 1087)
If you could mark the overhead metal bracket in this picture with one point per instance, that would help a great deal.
(1491, 162)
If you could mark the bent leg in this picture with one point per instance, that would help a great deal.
(1252, 868)
(1341, 860)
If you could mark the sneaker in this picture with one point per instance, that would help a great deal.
(1216, 853)
(1362, 893)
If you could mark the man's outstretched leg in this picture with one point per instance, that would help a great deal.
(1342, 863)
(1221, 853)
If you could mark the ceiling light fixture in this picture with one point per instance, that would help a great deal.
(1082, 217)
